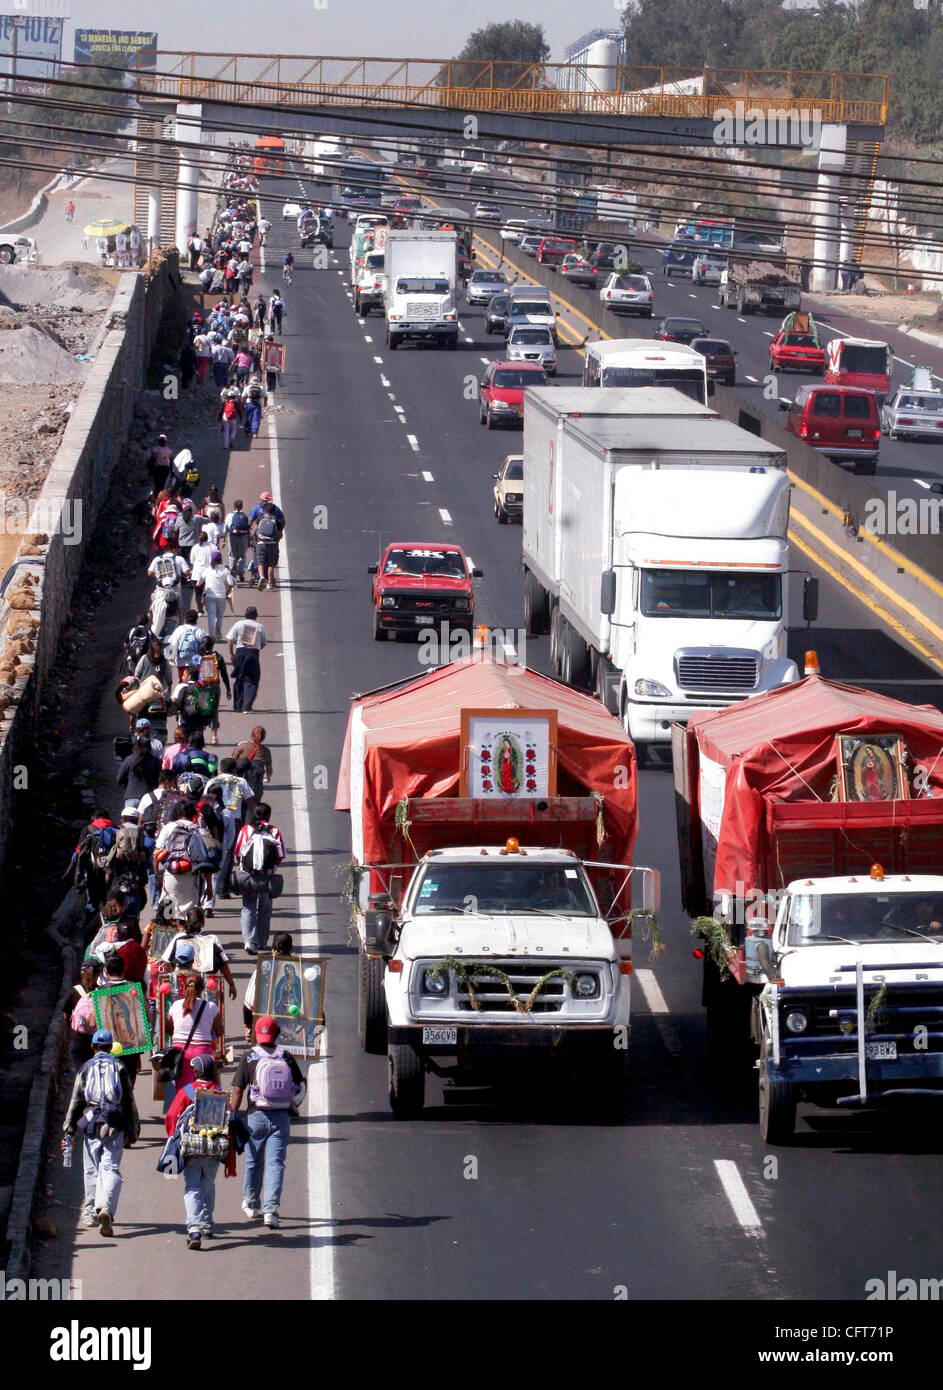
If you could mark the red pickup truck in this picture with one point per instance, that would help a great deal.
(418, 585)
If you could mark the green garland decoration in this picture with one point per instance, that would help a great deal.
(403, 823)
(600, 801)
(651, 930)
(470, 970)
(719, 945)
(874, 1015)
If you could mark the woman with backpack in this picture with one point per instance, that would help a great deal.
(102, 1107)
(200, 1167)
(217, 588)
(258, 757)
(229, 416)
(195, 1021)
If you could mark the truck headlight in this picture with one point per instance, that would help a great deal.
(449, 314)
(797, 1021)
(652, 689)
(435, 981)
(387, 601)
(461, 604)
(586, 986)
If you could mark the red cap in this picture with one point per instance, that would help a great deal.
(266, 1029)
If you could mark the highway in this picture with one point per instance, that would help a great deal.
(682, 1201)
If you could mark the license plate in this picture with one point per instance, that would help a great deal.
(877, 1051)
(424, 618)
(447, 1036)
(853, 434)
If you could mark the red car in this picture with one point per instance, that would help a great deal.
(501, 391)
(404, 209)
(417, 585)
(796, 351)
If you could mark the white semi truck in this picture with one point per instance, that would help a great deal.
(419, 298)
(655, 553)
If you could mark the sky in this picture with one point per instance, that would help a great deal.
(416, 28)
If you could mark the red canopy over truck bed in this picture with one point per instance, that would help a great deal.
(755, 782)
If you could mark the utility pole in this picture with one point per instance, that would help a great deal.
(19, 22)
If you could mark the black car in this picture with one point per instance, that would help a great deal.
(317, 230)
(680, 330)
(605, 254)
(497, 316)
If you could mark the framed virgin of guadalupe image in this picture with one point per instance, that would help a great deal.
(871, 767)
(508, 752)
(122, 1010)
(291, 990)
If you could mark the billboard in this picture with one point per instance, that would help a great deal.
(30, 45)
(128, 47)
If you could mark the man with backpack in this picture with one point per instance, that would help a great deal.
(229, 416)
(130, 858)
(267, 534)
(102, 1107)
(258, 851)
(91, 859)
(184, 643)
(196, 700)
(168, 570)
(195, 758)
(272, 1082)
(236, 528)
(201, 1161)
(254, 398)
(179, 856)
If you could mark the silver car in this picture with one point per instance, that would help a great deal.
(530, 343)
(910, 414)
(484, 285)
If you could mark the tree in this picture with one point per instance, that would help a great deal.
(505, 46)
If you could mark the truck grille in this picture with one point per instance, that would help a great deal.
(492, 996)
(715, 671)
(417, 309)
(905, 1007)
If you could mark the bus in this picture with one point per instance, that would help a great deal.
(269, 153)
(644, 362)
(360, 183)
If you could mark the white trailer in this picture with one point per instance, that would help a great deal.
(419, 299)
(655, 554)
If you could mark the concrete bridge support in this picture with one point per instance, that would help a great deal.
(188, 132)
(827, 252)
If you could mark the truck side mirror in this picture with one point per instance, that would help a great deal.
(937, 488)
(783, 405)
(607, 593)
(810, 598)
(372, 569)
(476, 572)
(378, 932)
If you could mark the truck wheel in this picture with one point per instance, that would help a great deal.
(6, 255)
(777, 1106)
(453, 342)
(575, 656)
(407, 1081)
(380, 634)
(392, 341)
(501, 514)
(535, 606)
(357, 308)
(371, 1005)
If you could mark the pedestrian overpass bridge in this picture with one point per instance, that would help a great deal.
(839, 116)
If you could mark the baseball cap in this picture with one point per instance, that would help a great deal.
(184, 951)
(129, 810)
(265, 497)
(142, 723)
(102, 1038)
(204, 1065)
(266, 1029)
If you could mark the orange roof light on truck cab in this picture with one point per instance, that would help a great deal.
(511, 846)
(812, 667)
(877, 873)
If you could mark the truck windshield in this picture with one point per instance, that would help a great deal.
(688, 380)
(521, 307)
(820, 920)
(415, 563)
(856, 357)
(699, 594)
(424, 285)
(497, 886)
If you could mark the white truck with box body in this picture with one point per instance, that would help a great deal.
(655, 552)
(419, 298)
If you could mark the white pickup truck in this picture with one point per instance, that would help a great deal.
(17, 249)
(504, 953)
(851, 1003)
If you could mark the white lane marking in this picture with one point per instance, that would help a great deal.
(922, 481)
(486, 360)
(738, 1197)
(739, 320)
(399, 410)
(321, 1250)
(692, 296)
(391, 395)
(714, 306)
(414, 445)
(446, 518)
(426, 475)
(767, 334)
(379, 362)
(656, 1001)
(751, 378)
(383, 380)
(367, 338)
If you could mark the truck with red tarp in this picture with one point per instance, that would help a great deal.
(493, 815)
(810, 829)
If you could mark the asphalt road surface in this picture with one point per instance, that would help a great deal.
(682, 1201)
